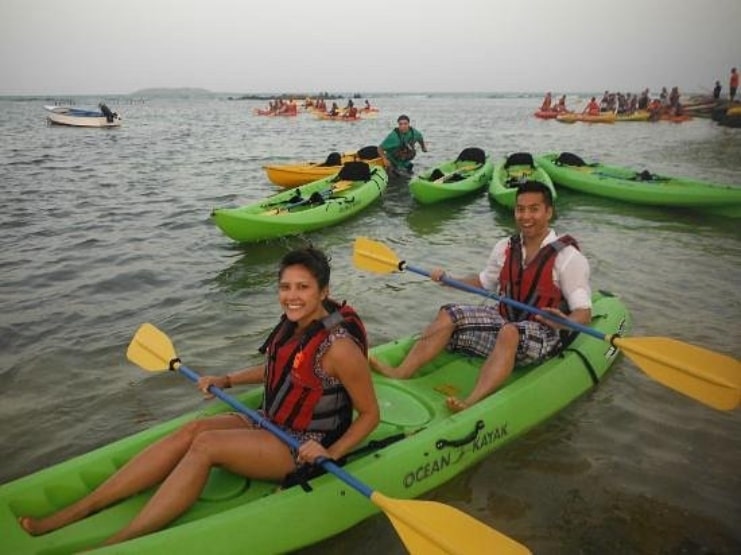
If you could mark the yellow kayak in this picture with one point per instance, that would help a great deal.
(293, 175)
(604, 117)
(638, 115)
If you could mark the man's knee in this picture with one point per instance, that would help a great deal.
(509, 334)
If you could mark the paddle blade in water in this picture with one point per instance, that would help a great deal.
(429, 528)
(374, 256)
(151, 349)
(709, 377)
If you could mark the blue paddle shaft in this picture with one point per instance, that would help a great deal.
(506, 300)
(266, 424)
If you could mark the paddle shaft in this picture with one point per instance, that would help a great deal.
(506, 300)
(263, 422)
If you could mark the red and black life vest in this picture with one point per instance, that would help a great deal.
(534, 284)
(294, 395)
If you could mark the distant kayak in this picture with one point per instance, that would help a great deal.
(638, 115)
(300, 173)
(641, 187)
(512, 171)
(468, 173)
(546, 114)
(306, 208)
(572, 117)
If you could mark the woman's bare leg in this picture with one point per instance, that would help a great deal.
(145, 470)
(254, 453)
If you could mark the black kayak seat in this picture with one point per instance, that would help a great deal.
(368, 152)
(333, 159)
(472, 154)
(519, 159)
(569, 159)
(354, 171)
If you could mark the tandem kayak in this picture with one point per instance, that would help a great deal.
(417, 446)
(515, 169)
(568, 170)
(300, 173)
(322, 203)
(468, 173)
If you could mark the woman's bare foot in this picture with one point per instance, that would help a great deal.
(456, 405)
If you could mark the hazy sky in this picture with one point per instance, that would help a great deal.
(105, 47)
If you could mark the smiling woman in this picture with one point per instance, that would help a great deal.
(315, 377)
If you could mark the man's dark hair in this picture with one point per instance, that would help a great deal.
(402, 117)
(535, 187)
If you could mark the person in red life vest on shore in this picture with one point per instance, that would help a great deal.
(315, 376)
(536, 267)
(733, 84)
(592, 107)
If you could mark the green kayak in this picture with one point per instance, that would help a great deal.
(468, 173)
(417, 446)
(515, 169)
(642, 187)
(315, 205)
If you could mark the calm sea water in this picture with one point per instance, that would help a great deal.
(105, 229)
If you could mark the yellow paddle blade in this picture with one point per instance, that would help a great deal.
(341, 186)
(709, 377)
(374, 256)
(151, 349)
(429, 528)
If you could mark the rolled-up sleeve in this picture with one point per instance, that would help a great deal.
(572, 277)
(489, 276)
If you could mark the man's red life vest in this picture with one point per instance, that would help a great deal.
(534, 284)
(294, 395)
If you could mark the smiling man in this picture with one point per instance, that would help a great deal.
(536, 267)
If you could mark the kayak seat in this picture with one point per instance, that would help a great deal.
(223, 485)
(354, 171)
(333, 159)
(472, 154)
(645, 175)
(519, 159)
(368, 152)
(569, 159)
(436, 174)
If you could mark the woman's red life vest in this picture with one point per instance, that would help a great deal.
(294, 395)
(532, 285)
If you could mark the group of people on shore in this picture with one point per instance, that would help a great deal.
(667, 103)
(320, 346)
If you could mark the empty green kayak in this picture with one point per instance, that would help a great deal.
(417, 447)
(512, 171)
(641, 187)
(315, 205)
(468, 173)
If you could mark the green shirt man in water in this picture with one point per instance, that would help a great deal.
(397, 149)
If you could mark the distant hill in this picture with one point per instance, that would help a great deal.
(181, 92)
